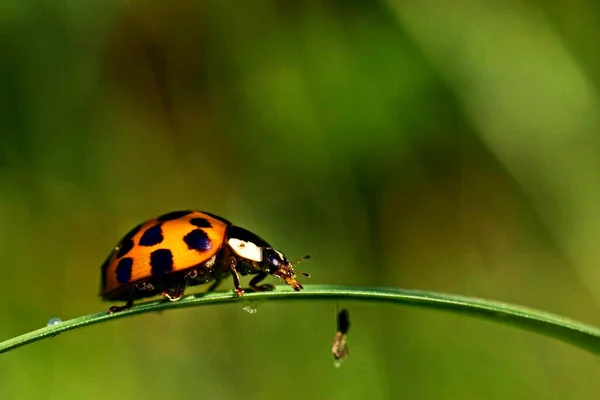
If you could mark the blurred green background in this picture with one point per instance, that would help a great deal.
(449, 146)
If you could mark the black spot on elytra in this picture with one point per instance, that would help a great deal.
(173, 215)
(161, 262)
(152, 236)
(197, 240)
(200, 222)
(124, 270)
(126, 243)
(216, 217)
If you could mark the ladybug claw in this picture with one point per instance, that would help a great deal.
(116, 309)
(239, 292)
(127, 306)
(113, 309)
(172, 296)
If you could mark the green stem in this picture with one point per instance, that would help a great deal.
(576, 333)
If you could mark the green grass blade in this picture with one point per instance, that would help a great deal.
(576, 333)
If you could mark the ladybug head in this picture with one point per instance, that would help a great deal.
(261, 257)
(275, 263)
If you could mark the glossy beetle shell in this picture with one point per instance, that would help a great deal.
(161, 250)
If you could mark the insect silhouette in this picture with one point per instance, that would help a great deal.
(339, 348)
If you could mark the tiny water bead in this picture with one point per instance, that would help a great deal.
(54, 321)
(250, 310)
(251, 306)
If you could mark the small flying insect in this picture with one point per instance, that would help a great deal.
(340, 349)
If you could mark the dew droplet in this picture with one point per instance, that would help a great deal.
(54, 321)
(250, 309)
(251, 306)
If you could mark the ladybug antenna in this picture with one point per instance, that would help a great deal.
(306, 257)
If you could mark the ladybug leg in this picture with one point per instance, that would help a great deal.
(127, 306)
(236, 277)
(174, 295)
(260, 288)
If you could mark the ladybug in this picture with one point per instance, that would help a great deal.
(187, 248)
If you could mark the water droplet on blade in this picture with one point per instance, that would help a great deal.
(250, 309)
(251, 306)
(54, 321)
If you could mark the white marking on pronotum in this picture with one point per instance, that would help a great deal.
(246, 249)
